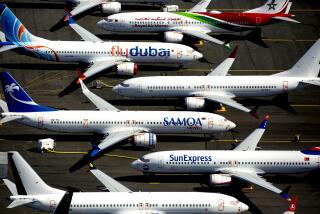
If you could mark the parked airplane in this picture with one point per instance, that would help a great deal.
(243, 162)
(197, 22)
(217, 87)
(30, 190)
(107, 6)
(95, 53)
(115, 125)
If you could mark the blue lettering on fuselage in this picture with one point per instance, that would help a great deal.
(182, 121)
(138, 51)
(189, 158)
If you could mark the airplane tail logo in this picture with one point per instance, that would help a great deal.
(273, 7)
(17, 99)
(13, 29)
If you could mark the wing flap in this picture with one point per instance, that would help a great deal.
(201, 35)
(98, 66)
(101, 104)
(84, 6)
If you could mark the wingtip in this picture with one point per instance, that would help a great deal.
(264, 122)
(68, 16)
(285, 192)
(234, 52)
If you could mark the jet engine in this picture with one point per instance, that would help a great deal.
(220, 179)
(172, 36)
(194, 103)
(127, 69)
(170, 8)
(110, 7)
(147, 140)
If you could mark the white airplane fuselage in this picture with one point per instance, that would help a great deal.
(141, 202)
(209, 162)
(138, 52)
(102, 121)
(121, 1)
(168, 21)
(185, 86)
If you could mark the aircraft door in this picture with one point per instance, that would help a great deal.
(179, 53)
(85, 123)
(139, 87)
(210, 123)
(258, 20)
(318, 162)
(285, 86)
(52, 205)
(220, 205)
(161, 162)
(40, 122)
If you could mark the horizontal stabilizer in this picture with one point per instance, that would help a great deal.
(20, 202)
(11, 186)
(287, 19)
(4, 106)
(315, 82)
(7, 119)
(8, 48)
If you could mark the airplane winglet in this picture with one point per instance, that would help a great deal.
(234, 53)
(293, 205)
(81, 76)
(264, 122)
(68, 16)
(285, 192)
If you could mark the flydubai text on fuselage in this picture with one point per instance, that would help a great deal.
(209, 162)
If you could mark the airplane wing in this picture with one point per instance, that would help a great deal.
(98, 66)
(85, 35)
(224, 67)
(112, 139)
(252, 177)
(101, 104)
(200, 7)
(111, 184)
(223, 99)
(251, 142)
(201, 35)
(84, 6)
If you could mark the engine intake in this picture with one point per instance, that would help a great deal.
(194, 103)
(147, 140)
(170, 8)
(172, 36)
(110, 7)
(220, 179)
(128, 68)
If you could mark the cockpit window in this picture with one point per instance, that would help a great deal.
(144, 160)
(124, 85)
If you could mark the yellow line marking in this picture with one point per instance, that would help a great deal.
(154, 183)
(106, 84)
(76, 153)
(310, 105)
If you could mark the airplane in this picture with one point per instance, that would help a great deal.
(107, 6)
(243, 162)
(116, 125)
(198, 23)
(96, 54)
(219, 87)
(31, 191)
(293, 206)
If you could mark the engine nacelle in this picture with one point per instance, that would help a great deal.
(220, 179)
(147, 140)
(172, 36)
(110, 7)
(170, 8)
(194, 103)
(127, 68)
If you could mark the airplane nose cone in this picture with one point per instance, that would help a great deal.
(135, 164)
(243, 207)
(115, 89)
(197, 55)
(100, 24)
(230, 125)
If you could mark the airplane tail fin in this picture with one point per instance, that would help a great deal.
(273, 7)
(15, 32)
(27, 181)
(293, 206)
(307, 66)
(17, 99)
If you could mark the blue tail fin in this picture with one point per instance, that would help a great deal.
(17, 99)
(13, 29)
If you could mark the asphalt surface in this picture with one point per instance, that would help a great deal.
(44, 80)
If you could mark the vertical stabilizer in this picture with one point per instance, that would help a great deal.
(13, 29)
(307, 66)
(273, 7)
(26, 179)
